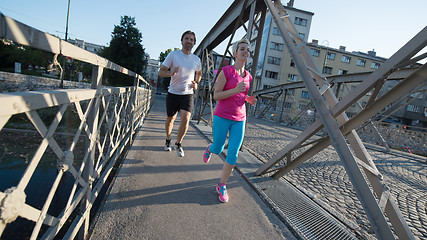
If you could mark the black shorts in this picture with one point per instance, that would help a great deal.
(174, 103)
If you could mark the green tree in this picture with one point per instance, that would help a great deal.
(125, 49)
(74, 66)
(165, 80)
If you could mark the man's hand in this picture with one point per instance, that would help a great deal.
(175, 70)
(168, 72)
(194, 85)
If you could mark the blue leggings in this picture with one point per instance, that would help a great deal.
(220, 128)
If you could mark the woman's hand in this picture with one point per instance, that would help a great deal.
(241, 87)
(251, 99)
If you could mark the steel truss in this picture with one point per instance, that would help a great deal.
(204, 91)
(240, 12)
(379, 204)
(340, 129)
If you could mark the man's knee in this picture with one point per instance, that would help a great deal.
(185, 116)
(168, 118)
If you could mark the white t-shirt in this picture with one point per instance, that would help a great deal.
(180, 83)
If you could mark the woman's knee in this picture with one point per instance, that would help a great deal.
(215, 148)
(232, 160)
(233, 153)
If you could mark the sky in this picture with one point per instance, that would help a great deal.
(363, 25)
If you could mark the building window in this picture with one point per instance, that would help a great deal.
(300, 21)
(292, 77)
(302, 35)
(350, 114)
(327, 70)
(331, 56)
(266, 86)
(304, 94)
(345, 59)
(291, 91)
(375, 65)
(417, 95)
(413, 108)
(273, 60)
(342, 72)
(270, 74)
(277, 46)
(315, 52)
(288, 105)
(276, 31)
(361, 62)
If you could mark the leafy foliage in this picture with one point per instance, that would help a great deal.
(125, 49)
(36, 62)
(164, 54)
(27, 56)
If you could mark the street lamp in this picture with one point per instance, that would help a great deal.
(326, 54)
(66, 26)
(61, 85)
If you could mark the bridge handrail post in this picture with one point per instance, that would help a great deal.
(90, 146)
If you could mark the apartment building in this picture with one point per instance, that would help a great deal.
(152, 71)
(91, 47)
(339, 61)
(276, 66)
(412, 111)
(274, 62)
(274, 55)
(333, 61)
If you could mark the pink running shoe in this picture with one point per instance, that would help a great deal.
(207, 155)
(222, 191)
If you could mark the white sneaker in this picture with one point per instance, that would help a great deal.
(179, 150)
(168, 146)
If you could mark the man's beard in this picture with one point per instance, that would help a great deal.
(188, 46)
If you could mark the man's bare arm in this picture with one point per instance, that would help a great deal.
(165, 72)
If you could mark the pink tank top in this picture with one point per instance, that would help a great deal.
(233, 107)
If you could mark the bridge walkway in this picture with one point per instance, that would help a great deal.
(158, 195)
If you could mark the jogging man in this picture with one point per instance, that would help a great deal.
(184, 68)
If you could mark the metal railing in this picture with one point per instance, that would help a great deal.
(99, 123)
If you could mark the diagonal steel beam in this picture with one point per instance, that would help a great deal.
(225, 25)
